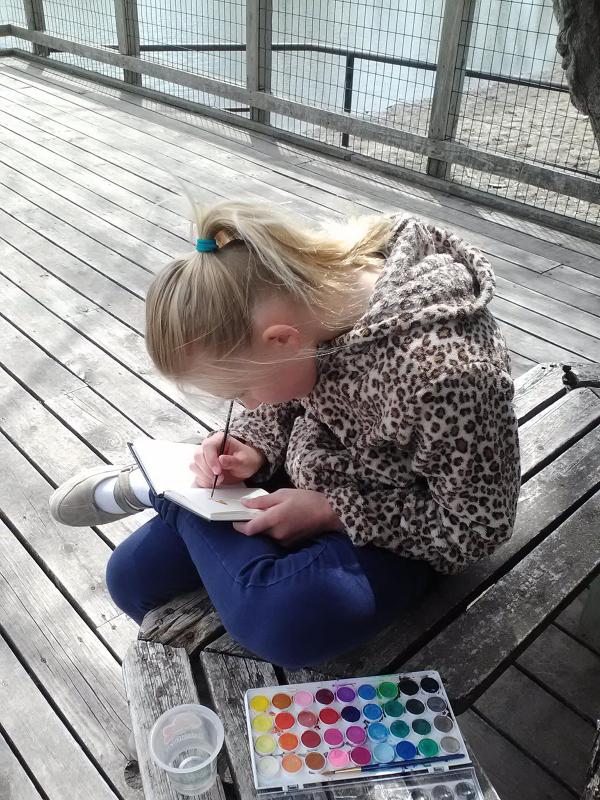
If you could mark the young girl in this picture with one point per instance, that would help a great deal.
(368, 365)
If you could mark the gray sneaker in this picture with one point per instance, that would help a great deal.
(73, 502)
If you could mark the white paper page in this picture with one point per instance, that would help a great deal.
(224, 505)
(167, 464)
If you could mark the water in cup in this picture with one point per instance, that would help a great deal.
(185, 742)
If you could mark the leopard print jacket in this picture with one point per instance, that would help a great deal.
(409, 430)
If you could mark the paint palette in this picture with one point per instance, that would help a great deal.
(393, 726)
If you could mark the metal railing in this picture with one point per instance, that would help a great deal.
(439, 151)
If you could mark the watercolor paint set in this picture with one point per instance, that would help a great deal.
(385, 727)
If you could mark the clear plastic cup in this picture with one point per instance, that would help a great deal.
(185, 742)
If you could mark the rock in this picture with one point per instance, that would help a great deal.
(577, 44)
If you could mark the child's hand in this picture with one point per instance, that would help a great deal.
(238, 462)
(290, 515)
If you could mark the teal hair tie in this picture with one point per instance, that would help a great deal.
(206, 245)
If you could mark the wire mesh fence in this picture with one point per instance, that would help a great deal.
(200, 36)
(11, 11)
(374, 60)
(532, 120)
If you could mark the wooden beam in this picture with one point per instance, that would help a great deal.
(36, 21)
(259, 40)
(450, 77)
(128, 35)
(501, 622)
(554, 181)
(156, 679)
(188, 621)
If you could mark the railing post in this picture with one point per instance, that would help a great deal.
(450, 76)
(259, 40)
(128, 35)
(36, 21)
(348, 86)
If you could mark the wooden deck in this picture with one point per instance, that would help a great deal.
(81, 171)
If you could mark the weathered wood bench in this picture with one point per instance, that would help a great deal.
(470, 627)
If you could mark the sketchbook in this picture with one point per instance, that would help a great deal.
(166, 467)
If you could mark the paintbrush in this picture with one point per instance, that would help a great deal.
(394, 764)
(222, 450)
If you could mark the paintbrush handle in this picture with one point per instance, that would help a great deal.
(222, 450)
(411, 762)
(395, 764)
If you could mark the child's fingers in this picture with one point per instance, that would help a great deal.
(230, 462)
(210, 451)
(264, 501)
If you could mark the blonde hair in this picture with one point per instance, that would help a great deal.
(202, 302)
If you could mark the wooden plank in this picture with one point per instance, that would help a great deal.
(552, 430)
(567, 669)
(512, 228)
(582, 188)
(368, 192)
(533, 347)
(69, 662)
(523, 778)
(284, 154)
(229, 677)
(590, 616)
(496, 226)
(174, 152)
(455, 36)
(537, 389)
(256, 146)
(177, 161)
(120, 185)
(538, 215)
(552, 333)
(505, 618)
(156, 679)
(569, 621)
(118, 634)
(575, 277)
(156, 185)
(118, 340)
(15, 783)
(76, 557)
(135, 398)
(592, 788)
(48, 444)
(532, 300)
(519, 365)
(78, 244)
(577, 470)
(102, 291)
(56, 760)
(187, 621)
(70, 400)
(274, 177)
(548, 286)
(520, 710)
(61, 177)
(101, 222)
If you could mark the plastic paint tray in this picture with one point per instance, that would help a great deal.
(397, 728)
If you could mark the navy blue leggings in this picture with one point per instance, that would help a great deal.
(295, 607)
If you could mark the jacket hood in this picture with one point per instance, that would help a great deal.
(428, 276)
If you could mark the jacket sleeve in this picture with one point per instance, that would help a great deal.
(268, 429)
(467, 475)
